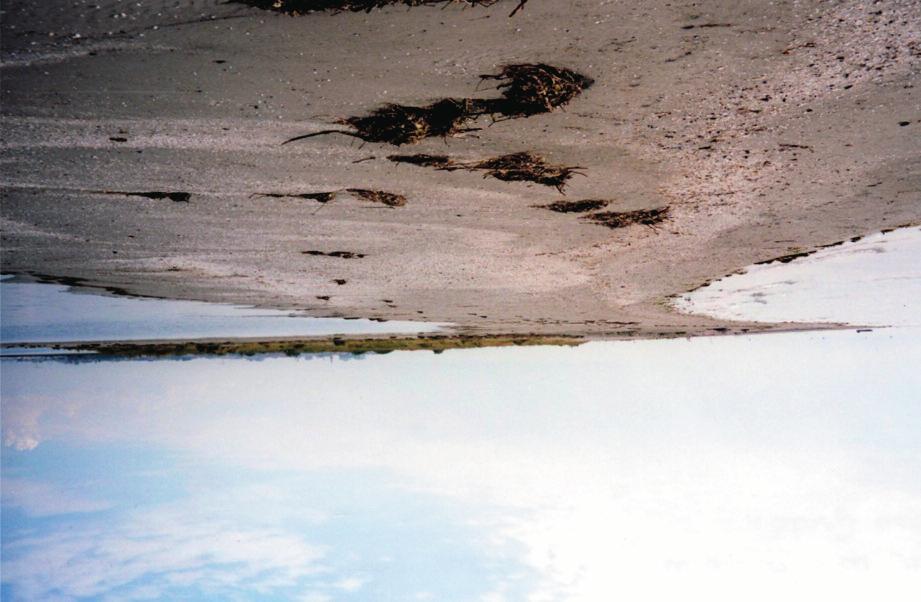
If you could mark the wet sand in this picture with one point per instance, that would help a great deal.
(767, 130)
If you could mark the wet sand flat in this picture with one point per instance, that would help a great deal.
(764, 129)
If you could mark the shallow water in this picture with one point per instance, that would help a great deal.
(41, 313)
(776, 467)
(874, 281)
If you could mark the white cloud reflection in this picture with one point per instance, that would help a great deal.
(156, 555)
(763, 468)
(37, 498)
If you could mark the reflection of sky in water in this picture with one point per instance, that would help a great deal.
(875, 281)
(758, 468)
(37, 312)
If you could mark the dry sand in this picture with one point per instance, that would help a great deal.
(767, 128)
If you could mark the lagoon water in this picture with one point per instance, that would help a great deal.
(759, 468)
(41, 313)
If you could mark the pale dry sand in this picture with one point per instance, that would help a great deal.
(768, 128)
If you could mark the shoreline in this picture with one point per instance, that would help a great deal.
(460, 336)
(360, 344)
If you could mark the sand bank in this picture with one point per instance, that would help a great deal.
(765, 129)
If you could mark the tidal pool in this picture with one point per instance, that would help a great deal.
(772, 467)
(36, 312)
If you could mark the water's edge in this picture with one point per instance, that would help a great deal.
(870, 281)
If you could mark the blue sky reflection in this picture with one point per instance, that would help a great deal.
(177, 529)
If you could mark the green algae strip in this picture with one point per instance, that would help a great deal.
(293, 347)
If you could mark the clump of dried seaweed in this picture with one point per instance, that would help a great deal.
(423, 160)
(583, 206)
(378, 196)
(300, 7)
(450, 116)
(526, 167)
(401, 124)
(336, 254)
(527, 89)
(533, 88)
(621, 219)
(320, 197)
(516, 167)
(176, 197)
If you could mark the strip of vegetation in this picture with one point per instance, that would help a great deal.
(380, 345)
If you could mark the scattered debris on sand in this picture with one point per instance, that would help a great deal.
(527, 89)
(515, 167)
(375, 196)
(786, 146)
(621, 219)
(787, 258)
(301, 7)
(337, 254)
(575, 206)
(706, 25)
(533, 88)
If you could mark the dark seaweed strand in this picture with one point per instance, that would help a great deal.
(301, 7)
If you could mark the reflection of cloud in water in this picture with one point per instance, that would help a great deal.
(23, 435)
(157, 554)
(36, 498)
(771, 467)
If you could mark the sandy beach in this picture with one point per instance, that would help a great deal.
(765, 129)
